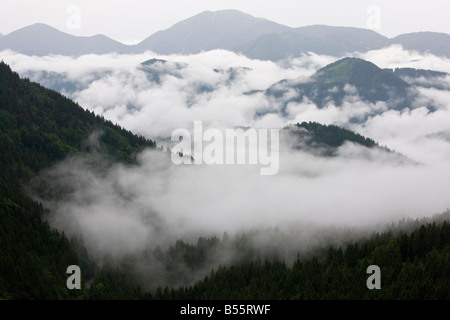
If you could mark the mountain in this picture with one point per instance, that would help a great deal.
(320, 39)
(263, 39)
(257, 38)
(209, 30)
(155, 69)
(344, 39)
(40, 39)
(323, 140)
(415, 261)
(38, 128)
(362, 74)
(329, 136)
(347, 77)
(232, 30)
(425, 42)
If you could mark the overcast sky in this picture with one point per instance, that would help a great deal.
(133, 20)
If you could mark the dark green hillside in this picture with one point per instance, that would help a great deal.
(318, 137)
(357, 72)
(39, 127)
(348, 77)
(413, 266)
(436, 43)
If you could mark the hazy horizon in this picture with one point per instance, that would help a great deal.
(122, 22)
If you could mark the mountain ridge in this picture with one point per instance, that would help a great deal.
(232, 30)
(437, 43)
(38, 128)
(41, 39)
(208, 30)
(347, 76)
(320, 39)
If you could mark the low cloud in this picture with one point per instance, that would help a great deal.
(207, 86)
(129, 208)
(397, 57)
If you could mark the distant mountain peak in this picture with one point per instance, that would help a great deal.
(41, 39)
(331, 83)
(37, 27)
(343, 69)
(209, 30)
(226, 13)
(425, 41)
(357, 72)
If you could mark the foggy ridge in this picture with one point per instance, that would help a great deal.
(345, 77)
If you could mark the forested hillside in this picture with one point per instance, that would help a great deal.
(39, 127)
(346, 77)
(316, 135)
(414, 265)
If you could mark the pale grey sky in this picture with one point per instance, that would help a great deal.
(133, 20)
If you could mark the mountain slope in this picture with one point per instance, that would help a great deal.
(415, 264)
(335, 41)
(208, 30)
(40, 39)
(227, 29)
(39, 127)
(347, 77)
(359, 73)
(425, 42)
(329, 136)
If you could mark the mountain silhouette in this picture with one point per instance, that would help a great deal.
(232, 30)
(40, 39)
(347, 77)
(209, 30)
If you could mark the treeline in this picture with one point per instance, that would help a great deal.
(332, 136)
(33, 257)
(413, 266)
(39, 127)
(417, 73)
